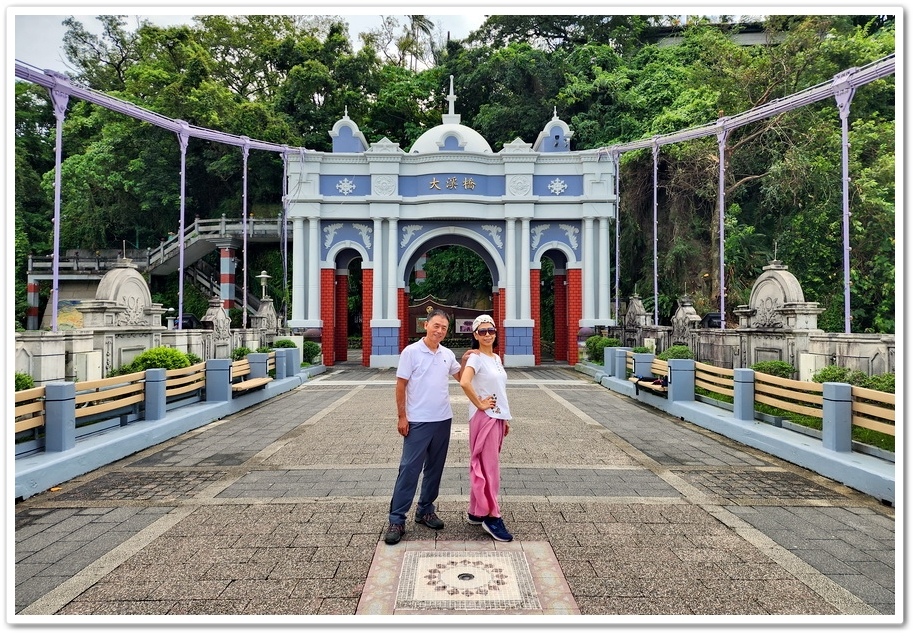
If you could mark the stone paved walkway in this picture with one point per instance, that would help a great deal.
(621, 514)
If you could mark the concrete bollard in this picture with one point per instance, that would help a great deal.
(258, 365)
(744, 395)
(293, 361)
(837, 427)
(620, 363)
(154, 394)
(609, 362)
(280, 363)
(642, 364)
(60, 416)
(219, 380)
(681, 380)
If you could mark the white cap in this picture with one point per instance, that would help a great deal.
(479, 320)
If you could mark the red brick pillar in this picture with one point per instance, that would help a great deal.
(341, 316)
(536, 313)
(574, 313)
(227, 277)
(559, 317)
(367, 316)
(31, 314)
(328, 300)
(404, 317)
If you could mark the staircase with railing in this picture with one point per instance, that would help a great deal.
(201, 238)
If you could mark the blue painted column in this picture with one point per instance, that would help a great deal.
(293, 361)
(744, 394)
(280, 363)
(258, 364)
(219, 380)
(681, 380)
(609, 361)
(620, 363)
(154, 394)
(837, 428)
(60, 416)
(642, 364)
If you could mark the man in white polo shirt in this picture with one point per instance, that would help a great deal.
(425, 422)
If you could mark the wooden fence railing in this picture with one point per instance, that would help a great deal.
(181, 382)
(30, 410)
(108, 397)
(873, 410)
(715, 379)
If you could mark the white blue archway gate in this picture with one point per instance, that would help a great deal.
(388, 207)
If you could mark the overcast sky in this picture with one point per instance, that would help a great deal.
(38, 32)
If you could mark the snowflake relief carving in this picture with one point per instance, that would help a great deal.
(571, 232)
(345, 186)
(409, 231)
(365, 232)
(537, 232)
(384, 185)
(557, 186)
(519, 185)
(494, 231)
(331, 230)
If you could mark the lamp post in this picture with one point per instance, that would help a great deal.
(263, 277)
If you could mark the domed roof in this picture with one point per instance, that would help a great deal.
(451, 134)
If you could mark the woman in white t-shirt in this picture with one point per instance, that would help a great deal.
(484, 382)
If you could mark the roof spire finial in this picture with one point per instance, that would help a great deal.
(451, 117)
(347, 115)
(451, 95)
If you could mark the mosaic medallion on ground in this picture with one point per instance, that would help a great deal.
(143, 485)
(466, 577)
(466, 581)
(756, 484)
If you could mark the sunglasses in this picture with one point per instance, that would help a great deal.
(486, 332)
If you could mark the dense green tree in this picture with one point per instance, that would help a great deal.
(455, 274)
(287, 79)
(553, 32)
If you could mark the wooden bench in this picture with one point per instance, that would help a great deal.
(657, 383)
(649, 384)
(241, 369)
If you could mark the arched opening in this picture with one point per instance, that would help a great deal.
(552, 318)
(342, 317)
(457, 272)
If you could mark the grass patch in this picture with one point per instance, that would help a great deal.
(859, 434)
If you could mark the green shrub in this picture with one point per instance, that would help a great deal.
(24, 381)
(193, 359)
(778, 368)
(642, 350)
(264, 349)
(160, 358)
(122, 370)
(310, 350)
(677, 352)
(885, 382)
(285, 343)
(240, 353)
(594, 347)
(831, 373)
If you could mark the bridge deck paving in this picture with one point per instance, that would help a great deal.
(621, 514)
